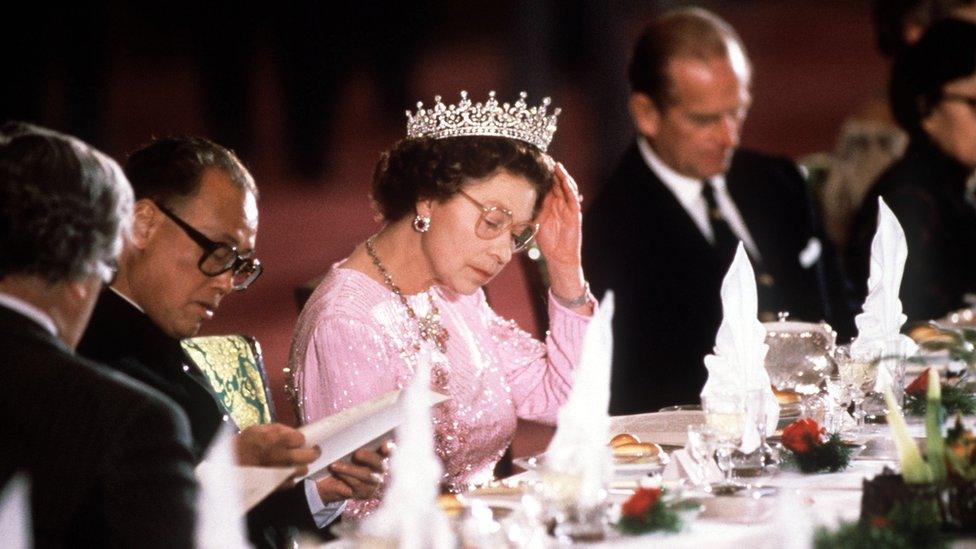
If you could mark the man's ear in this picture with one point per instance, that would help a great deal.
(645, 112)
(80, 290)
(145, 222)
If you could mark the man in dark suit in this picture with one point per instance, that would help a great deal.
(663, 230)
(107, 458)
(191, 245)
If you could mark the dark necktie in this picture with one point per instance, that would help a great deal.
(725, 241)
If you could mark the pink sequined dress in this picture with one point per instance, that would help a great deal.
(354, 341)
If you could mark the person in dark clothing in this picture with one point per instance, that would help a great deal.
(192, 244)
(933, 98)
(108, 459)
(663, 230)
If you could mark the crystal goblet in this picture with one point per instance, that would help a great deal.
(726, 415)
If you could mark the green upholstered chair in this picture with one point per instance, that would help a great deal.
(233, 366)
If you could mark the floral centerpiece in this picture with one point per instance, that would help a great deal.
(941, 484)
(651, 510)
(808, 448)
(905, 527)
(955, 398)
(932, 495)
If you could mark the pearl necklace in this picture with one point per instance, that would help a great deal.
(430, 325)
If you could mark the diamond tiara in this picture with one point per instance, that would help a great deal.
(519, 121)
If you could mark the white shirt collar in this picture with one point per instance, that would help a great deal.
(686, 189)
(127, 298)
(688, 192)
(20, 306)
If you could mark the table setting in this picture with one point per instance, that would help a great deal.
(846, 448)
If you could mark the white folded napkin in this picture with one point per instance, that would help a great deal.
(580, 445)
(682, 465)
(220, 513)
(409, 516)
(737, 363)
(879, 325)
(15, 514)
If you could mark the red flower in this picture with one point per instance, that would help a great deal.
(802, 435)
(920, 386)
(640, 502)
(879, 522)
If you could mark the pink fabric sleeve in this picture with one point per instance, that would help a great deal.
(346, 363)
(540, 375)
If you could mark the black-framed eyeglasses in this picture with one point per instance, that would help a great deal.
(218, 258)
(493, 221)
(971, 101)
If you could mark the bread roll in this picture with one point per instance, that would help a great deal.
(623, 438)
(787, 397)
(636, 450)
(450, 504)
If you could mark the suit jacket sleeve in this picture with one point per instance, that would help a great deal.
(281, 511)
(151, 488)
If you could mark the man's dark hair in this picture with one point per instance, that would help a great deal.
(945, 53)
(169, 170)
(686, 32)
(63, 205)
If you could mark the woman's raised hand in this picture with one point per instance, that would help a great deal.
(560, 235)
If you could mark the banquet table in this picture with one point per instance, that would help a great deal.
(802, 502)
(740, 521)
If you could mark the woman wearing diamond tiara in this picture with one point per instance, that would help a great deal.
(468, 188)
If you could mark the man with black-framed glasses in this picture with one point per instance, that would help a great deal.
(219, 257)
(191, 245)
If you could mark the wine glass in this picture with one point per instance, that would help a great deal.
(858, 373)
(558, 489)
(725, 415)
(701, 448)
(758, 410)
(840, 394)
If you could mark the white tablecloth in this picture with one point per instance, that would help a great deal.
(745, 523)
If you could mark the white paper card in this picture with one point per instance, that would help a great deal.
(258, 482)
(220, 518)
(341, 434)
(697, 474)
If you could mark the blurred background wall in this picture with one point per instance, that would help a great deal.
(310, 93)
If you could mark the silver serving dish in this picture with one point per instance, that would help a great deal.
(963, 318)
(800, 354)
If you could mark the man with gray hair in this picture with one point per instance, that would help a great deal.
(107, 458)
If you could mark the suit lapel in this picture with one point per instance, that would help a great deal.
(758, 201)
(126, 339)
(654, 197)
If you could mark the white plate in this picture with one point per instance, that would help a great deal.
(644, 466)
(657, 463)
